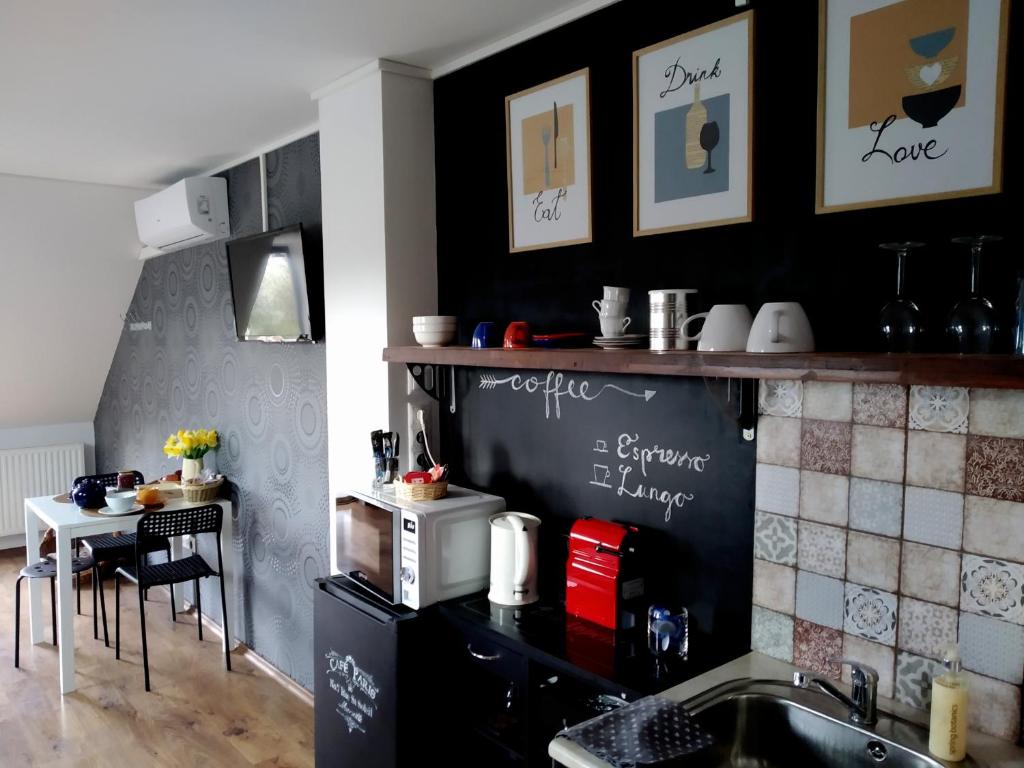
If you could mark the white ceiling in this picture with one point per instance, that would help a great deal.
(142, 92)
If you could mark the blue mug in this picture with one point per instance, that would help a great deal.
(485, 335)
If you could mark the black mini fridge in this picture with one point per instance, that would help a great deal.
(371, 664)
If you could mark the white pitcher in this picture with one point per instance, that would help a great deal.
(513, 558)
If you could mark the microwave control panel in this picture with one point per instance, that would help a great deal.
(410, 566)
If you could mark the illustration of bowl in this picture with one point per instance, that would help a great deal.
(931, 106)
(924, 76)
(929, 46)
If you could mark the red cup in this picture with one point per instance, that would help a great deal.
(517, 335)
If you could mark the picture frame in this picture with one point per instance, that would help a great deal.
(693, 129)
(547, 150)
(911, 124)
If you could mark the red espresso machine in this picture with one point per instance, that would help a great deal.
(604, 580)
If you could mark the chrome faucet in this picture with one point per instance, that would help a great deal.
(863, 698)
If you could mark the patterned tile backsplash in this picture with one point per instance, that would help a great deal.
(889, 525)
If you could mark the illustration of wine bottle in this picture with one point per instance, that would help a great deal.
(696, 156)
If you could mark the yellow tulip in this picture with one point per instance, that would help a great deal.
(187, 440)
(213, 438)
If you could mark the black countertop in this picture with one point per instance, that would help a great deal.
(618, 661)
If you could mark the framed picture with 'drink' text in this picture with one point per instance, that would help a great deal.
(692, 128)
(910, 101)
(547, 132)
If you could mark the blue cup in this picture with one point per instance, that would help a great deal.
(485, 335)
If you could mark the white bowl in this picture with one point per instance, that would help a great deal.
(433, 325)
(121, 501)
(434, 338)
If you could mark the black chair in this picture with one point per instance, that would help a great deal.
(44, 569)
(157, 526)
(110, 548)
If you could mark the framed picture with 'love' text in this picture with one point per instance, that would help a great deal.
(547, 131)
(692, 129)
(910, 101)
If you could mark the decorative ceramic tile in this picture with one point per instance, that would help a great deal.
(778, 441)
(775, 586)
(880, 405)
(994, 707)
(876, 506)
(821, 548)
(825, 446)
(819, 599)
(992, 647)
(870, 613)
(780, 397)
(914, 675)
(930, 573)
(873, 560)
(997, 412)
(994, 528)
(936, 460)
(933, 517)
(877, 453)
(993, 588)
(939, 409)
(828, 401)
(814, 645)
(774, 538)
(926, 628)
(777, 489)
(771, 633)
(995, 467)
(881, 657)
(825, 498)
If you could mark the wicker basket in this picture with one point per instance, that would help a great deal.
(421, 491)
(206, 492)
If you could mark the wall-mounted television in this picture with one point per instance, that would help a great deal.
(277, 286)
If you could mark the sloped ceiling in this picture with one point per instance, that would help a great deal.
(68, 267)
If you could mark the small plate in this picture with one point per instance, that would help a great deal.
(133, 510)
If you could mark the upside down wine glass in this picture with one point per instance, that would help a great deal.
(901, 323)
(973, 325)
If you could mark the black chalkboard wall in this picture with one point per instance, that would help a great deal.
(663, 453)
(830, 263)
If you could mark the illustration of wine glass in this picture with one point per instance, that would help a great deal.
(709, 136)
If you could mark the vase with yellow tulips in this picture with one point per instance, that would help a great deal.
(191, 445)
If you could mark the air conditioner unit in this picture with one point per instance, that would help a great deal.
(192, 212)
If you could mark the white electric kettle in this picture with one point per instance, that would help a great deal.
(513, 558)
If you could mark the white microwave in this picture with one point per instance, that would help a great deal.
(414, 552)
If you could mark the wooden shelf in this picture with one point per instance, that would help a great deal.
(997, 371)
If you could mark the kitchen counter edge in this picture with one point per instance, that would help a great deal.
(993, 752)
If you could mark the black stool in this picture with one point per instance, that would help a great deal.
(45, 569)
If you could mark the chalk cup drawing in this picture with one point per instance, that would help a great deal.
(910, 103)
(548, 163)
(356, 689)
(555, 386)
(692, 121)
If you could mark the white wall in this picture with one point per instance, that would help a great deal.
(68, 267)
(380, 260)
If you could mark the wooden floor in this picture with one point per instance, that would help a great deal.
(198, 714)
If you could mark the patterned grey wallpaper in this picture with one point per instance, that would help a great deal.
(268, 402)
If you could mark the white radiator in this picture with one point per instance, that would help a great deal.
(26, 472)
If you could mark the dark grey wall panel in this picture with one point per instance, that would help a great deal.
(268, 401)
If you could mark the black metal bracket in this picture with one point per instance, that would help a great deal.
(438, 381)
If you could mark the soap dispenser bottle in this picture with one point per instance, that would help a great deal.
(947, 737)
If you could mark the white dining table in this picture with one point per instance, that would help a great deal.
(69, 522)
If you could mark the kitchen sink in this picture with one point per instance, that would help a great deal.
(772, 724)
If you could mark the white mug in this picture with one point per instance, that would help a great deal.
(726, 329)
(781, 326)
(614, 325)
(609, 307)
(616, 294)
